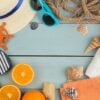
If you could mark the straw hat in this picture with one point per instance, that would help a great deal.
(16, 13)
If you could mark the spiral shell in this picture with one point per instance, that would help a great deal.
(95, 43)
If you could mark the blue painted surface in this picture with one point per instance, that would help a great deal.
(47, 69)
(50, 51)
(60, 40)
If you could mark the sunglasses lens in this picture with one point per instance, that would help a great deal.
(36, 5)
(48, 20)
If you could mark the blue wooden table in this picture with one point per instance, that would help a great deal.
(50, 51)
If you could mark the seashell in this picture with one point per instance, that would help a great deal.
(5, 63)
(95, 43)
(74, 73)
(49, 90)
(71, 92)
(83, 29)
(93, 69)
(4, 36)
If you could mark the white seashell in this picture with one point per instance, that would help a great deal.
(83, 29)
(93, 69)
(49, 90)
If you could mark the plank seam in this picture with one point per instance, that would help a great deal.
(50, 56)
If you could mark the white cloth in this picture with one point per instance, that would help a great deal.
(93, 69)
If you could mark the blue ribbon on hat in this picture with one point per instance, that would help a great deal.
(13, 10)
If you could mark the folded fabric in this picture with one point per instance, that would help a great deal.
(5, 63)
(88, 89)
(93, 69)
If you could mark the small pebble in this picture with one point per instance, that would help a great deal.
(34, 25)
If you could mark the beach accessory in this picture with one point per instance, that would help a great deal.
(4, 36)
(82, 12)
(74, 73)
(33, 95)
(93, 70)
(34, 25)
(48, 16)
(23, 74)
(87, 89)
(16, 13)
(95, 43)
(49, 91)
(10, 92)
(71, 93)
(5, 63)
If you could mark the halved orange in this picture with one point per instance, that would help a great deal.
(22, 74)
(33, 95)
(10, 92)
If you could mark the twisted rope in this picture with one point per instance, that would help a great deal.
(86, 11)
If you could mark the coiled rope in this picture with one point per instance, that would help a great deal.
(84, 12)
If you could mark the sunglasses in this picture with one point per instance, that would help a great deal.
(48, 17)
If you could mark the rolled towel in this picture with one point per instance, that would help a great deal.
(87, 89)
(93, 69)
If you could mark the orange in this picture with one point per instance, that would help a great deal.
(33, 95)
(22, 74)
(10, 92)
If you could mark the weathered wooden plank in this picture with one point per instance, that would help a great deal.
(60, 40)
(46, 69)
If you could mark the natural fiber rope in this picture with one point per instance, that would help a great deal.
(86, 11)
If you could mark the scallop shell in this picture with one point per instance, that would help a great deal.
(83, 29)
(74, 73)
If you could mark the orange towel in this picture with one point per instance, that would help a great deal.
(88, 89)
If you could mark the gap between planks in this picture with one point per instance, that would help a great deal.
(49, 56)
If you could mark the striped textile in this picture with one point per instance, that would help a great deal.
(4, 63)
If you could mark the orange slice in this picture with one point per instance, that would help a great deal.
(33, 95)
(10, 92)
(22, 74)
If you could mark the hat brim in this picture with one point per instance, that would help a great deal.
(20, 18)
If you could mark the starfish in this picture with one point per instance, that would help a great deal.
(4, 36)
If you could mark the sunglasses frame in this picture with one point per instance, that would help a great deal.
(45, 9)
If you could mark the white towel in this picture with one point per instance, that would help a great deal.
(93, 69)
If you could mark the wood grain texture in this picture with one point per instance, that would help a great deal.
(50, 50)
(60, 40)
(47, 69)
